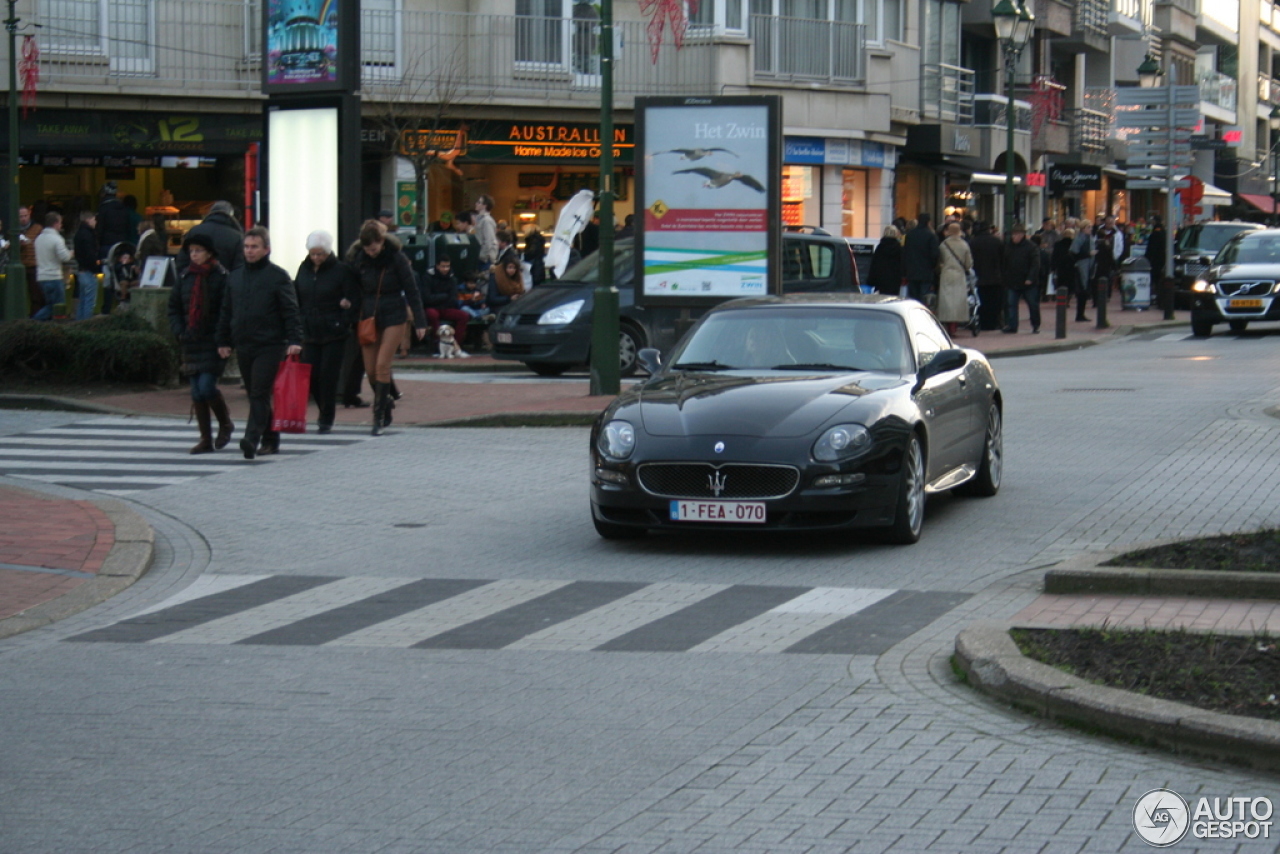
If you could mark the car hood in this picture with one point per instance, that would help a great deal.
(1246, 271)
(778, 405)
(547, 296)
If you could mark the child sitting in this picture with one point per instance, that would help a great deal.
(126, 274)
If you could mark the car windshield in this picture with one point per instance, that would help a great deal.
(1252, 249)
(797, 339)
(1206, 240)
(588, 269)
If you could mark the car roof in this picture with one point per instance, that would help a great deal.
(880, 302)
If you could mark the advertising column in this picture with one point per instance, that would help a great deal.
(708, 180)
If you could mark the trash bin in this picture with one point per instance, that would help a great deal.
(1135, 284)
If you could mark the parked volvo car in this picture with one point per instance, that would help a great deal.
(1242, 286)
(799, 413)
(549, 328)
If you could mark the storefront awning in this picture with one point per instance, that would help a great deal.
(1214, 196)
(1263, 203)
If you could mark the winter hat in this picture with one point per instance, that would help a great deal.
(198, 239)
(320, 240)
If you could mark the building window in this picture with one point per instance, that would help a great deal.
(119, 29)
(379, 42)
(540, 31)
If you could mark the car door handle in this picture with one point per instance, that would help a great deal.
(962, 379)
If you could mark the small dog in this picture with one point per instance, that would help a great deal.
(448, 344)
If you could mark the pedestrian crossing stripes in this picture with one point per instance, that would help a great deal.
(532, 614)
(121, 456)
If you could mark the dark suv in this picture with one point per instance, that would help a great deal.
(1242, 285)
(549, 328)
(1193, 252)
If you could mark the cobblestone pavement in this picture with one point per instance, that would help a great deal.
(228, 742)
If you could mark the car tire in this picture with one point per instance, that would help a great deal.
(1238, 325)
(630, 342)
(908, 518)
(986, 482)
(610, 531)
(546, 369)
(1201, 328)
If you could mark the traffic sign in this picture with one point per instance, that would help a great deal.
(1193, 210)
(1193, 192)
(1178, 118)
(1159, 96)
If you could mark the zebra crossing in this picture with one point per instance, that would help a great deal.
(122, 456)
(531, 615)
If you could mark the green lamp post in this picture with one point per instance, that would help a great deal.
(1014, 24)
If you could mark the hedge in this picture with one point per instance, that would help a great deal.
(116, 348)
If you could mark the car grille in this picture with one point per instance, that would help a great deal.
(736, 480)
(1194, 271)
(1245, 289)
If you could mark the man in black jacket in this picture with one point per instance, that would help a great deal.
(88, 265)
(221, 226)
(113, 222)
(920, 259)
(440, 299)
(1021, 278)
(988, 263)
(261, 320)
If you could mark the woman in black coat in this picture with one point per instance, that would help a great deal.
(388, 291)
(327, 293)
(1065, 273)
(194, 305)
(885, 275)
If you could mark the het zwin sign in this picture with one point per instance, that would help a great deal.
(1068, 177)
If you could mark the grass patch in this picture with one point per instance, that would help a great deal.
(1253, 552)
(1234, 675)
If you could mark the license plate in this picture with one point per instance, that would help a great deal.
(1245, 303)
(504, 337)
(718, 511)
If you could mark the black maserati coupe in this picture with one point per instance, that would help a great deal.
(807, 412)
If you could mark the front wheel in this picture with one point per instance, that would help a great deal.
(987, 481)
(908, 517)
(1201, 328)
(629, 345)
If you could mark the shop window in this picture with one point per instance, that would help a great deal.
(121, 30)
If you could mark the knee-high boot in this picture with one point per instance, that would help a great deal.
(205, 445)
(218, 404)
(381, 402)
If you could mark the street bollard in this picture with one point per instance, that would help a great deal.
(1167, 297)
(1060, 324)
(1100, 303)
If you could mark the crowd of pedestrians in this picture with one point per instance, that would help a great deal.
(939, 267)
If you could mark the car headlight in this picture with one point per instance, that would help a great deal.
(1200, 286)
(564, 313)
(842, 442)
(616, 441)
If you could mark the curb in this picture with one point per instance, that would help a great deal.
(1085, 574)
(58, 404)
(995, 666)
(130, 557)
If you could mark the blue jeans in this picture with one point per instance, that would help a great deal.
(54, 294)
(204, 386)
(1032, 299)
(88, 295)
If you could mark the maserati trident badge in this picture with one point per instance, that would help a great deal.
(719, 447)
(715, 482)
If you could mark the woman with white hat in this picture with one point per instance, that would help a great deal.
(327, 290)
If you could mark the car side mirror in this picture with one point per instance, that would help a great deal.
(945, 360)
(651, 358)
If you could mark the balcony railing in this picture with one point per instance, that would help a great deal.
(1090, 130)
(174, 45)
(990, 110)
(803, 49)
(1091, 17)
(198, 46)
(946, 93)
(1268, 89)
(1128, 8)
(1218, 89)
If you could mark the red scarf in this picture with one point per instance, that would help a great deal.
(195, 311)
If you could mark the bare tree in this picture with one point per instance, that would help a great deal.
(419, 119)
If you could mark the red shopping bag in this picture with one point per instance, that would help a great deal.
(289, 398)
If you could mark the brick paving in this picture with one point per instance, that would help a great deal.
(48, 546)
(1216, 615)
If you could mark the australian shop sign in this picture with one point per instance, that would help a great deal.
(1068, 177)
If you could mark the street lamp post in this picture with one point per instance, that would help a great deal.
(1014, 23)
(16, 274)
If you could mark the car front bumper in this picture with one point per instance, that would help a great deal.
(1215, 308)
(561, 344)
